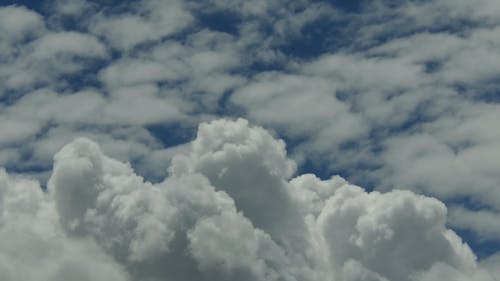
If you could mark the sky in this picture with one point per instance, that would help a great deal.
(281, 140)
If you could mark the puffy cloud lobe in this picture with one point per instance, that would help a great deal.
(237, 248)
(381, 230)
(35, 247)
(103, 198)
(136, 222)
(353, 270)
(228, 210)
(252, 168)
(312, 192)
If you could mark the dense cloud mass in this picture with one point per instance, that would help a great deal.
(228, 210)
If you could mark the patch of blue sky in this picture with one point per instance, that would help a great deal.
(432, 66)
(490, 93)
(87, 78)
(226, 108)
(347, 6)
(35, 5)
(324, 35)
(172, 134)
(222, 21)
(486, 91)
(482, 248)
(26, 165)
(10, 96)
(322, 166)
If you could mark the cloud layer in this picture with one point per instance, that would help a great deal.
(229, 209)
(386, 95)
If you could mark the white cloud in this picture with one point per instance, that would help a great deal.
(246, 8)
(71, 43)
(49, 56)
(159, 109)
(484, 223)
(17, 24)
(16, 130)
(491, 264)
(443, 271)
(401, 96)
(230, 243)
(130, 72)
(450, 157)
(380, 234)
(35, 247)
(44, 105)
(71, 8)
(279, 101)
(227, 210)
(151, 20)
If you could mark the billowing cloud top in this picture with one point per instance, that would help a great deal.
(229, 210)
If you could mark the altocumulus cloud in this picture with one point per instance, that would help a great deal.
(230, 209)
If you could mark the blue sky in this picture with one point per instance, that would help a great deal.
(389, 95)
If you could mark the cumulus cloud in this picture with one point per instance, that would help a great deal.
(230, 208)
(35, 247)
